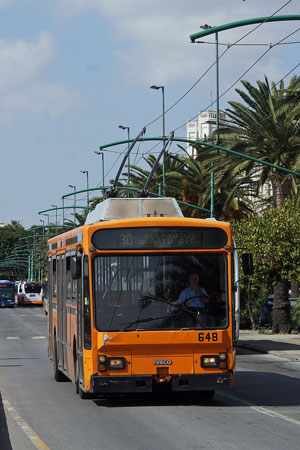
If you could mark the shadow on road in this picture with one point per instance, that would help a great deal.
(265, 345)
(4, 434)
(258, 388)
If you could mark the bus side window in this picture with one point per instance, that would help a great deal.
(68, 279)
(86, 305)
(54, 279)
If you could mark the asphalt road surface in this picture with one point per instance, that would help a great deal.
(36, 412)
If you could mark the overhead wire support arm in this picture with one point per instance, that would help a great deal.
(240, 23)
(144, 192)
(112, 191)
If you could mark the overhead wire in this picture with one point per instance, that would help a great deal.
(214, 63)
(150, 151)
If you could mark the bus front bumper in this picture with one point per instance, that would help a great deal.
(179, 383)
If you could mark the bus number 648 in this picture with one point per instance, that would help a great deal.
(208, 337)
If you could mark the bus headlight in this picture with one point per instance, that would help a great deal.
(113, 363)
(116, 363)
(209, 361)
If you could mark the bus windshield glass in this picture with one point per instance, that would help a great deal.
(160, 292)
(7, 291)
(33, 288)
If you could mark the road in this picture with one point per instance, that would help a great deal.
(262, 413)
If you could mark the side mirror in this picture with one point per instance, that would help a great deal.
(247, 263)
(75, 267)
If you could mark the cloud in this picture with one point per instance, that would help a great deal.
(23, 82)
(4, 3)
(151, 39)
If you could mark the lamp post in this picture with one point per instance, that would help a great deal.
(103, 182)
(47, 217)
(128, 134)
(74, 187)
(55, 206)
(43, 222)
(87, 185)
(208, 27)
(163, 130)
(212, 175)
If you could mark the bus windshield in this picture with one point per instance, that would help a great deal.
(33, 288)
(7, 291)
(160, 292)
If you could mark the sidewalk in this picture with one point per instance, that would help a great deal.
(282, 345)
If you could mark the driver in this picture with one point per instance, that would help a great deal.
(193, 296)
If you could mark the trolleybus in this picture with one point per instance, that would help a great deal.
(30, 293)
(7, 293)
(117, 322)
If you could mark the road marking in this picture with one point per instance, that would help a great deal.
(261, 409)
(26, 337)
(30, 433)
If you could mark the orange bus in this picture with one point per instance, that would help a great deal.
(121, 316)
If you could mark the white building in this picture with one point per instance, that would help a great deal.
(203, 127)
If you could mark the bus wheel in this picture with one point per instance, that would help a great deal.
(58, 375)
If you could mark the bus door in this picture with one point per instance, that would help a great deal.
(51, 294)
(64, 312)
(77, 275)
(60, 310)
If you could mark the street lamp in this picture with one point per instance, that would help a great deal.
(212, 175)
(163, 129)
(47, 216)
(103, 183)
(43, 222)
(55, 206)
(207, 27)
(128, 134)
(74, 187)
(87, 185)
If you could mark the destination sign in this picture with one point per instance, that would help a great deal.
(153, 238)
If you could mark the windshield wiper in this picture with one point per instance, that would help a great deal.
(148, 319)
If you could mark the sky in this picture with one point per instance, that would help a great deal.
(72, 71)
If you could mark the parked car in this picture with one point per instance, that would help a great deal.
(265, 314)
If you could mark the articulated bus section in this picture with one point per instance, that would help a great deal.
(145, 302)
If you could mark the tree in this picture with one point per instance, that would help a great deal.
(9, 236)
(266, 127)
(274, 240)
(231, 192)
(138, 175)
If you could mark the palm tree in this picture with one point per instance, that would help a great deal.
(138, 175)
(231, 192)
(267, 127)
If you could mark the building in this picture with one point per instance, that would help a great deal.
(203, 127)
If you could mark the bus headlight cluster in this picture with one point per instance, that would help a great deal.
(113, 363)
(214, 360)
